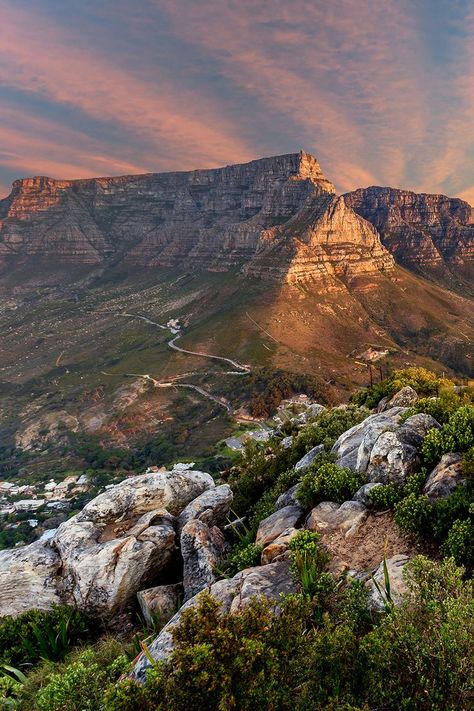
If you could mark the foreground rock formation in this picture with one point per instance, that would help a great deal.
(119, 544)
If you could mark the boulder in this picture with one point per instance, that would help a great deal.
(288, 498)
(315, 409)
(104, 566)
(445, 477)
(212, 507)
(271, 581)
(160, 603)
(362, 495)
(422, 423)
(398, 588)
(202, 548)
(363, 436)
(393, 458)
(404, 398)
(286, 442)
(309, 458)
(329, 516)
(273, 526)
(28, 578)
(278, 547)
(139, 494)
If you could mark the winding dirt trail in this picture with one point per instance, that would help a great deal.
(176, 333)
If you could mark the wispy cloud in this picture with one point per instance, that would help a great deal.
(381, 91)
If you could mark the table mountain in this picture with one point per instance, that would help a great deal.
(275, 217)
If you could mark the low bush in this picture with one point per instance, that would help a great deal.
(308, 561)
(425, 382)
(457, 435)
(38, 635)
(328, 482)
(459, 542)
(416, 658)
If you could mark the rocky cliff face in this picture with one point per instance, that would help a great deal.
(275, 217)
(424, 232)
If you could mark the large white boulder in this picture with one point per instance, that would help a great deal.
(353, 447)
(28, 578)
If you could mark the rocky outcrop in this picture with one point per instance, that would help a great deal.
(427, 233)
(378, 597)
(160, 603)
(212, 507)
(309, 458)
(29, 578)
(329, 516)
(445, 477)
(273, 526)
(202, 548)
(99, 559)
(274, 217)
(352, 449)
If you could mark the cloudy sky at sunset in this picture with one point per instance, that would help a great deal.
(381, 91)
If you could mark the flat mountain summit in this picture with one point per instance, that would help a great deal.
(274, 217)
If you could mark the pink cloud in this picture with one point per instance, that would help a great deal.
(186, 129)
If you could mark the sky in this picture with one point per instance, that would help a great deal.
(380, 91)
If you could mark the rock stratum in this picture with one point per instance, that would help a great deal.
(277, 218)
(431, 234)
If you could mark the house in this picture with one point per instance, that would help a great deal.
(28, 504)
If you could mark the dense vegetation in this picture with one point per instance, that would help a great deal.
(326, 648)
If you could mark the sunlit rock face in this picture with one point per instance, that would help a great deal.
(424, 232)
(276, 218)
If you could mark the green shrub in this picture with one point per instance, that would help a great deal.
(423, 381)
(419, 658)
(457, 435)
(412, 513)
(308, 561)
(38, 635)
(441, 408)
(243, 556)
(459, 543)
(467, 464)
(388, 495)
(328, 482)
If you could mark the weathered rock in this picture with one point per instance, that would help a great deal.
(202, 548)
(445, 477)
(353, 447)
(208, 219)
(329, 516)
(315, 409)
(103, 567)
(235, 593)
(404, 398)
(212, 507)
(422, 423)
(309, 458)
(288, 498)
(392, 459)
(147, 492)
(427, 233)
(362, 495)
(286, 442)
(28, 578)
(278, 547)
(160, 602)
(273, 526)
(271, 581)
(377, 597)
